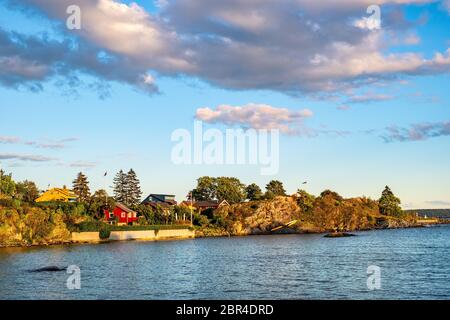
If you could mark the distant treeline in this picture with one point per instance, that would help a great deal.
(435, 213)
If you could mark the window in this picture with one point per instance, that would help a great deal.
(123, 214)
(111, 215)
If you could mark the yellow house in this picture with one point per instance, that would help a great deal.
(58, 194)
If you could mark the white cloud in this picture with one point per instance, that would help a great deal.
(439, 202)
(298, 47)
(446, 4)
(44, 144)
(25, 157)
(369, 97)
(417, 132)
(343, 107)
(256, 116)
(9, 139)
(18, 66)
(83, 164)
(368, 23)
(412, 39)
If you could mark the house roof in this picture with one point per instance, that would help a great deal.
(123, 207)
(205, 204)
(57, 194)
(162, 205)
(161, 198)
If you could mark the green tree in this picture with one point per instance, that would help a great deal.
(99, 202)
(206, 189)
(389, 204)
(253, 192)
(27, 191)
(329, 193)
(327, 211)
(147, 214)
(7, 184)
(305, 200)
(133, 189)
(220, 188)
(182, 212)
(81, 188)
(120, 187)
(275, 188)
(230, 189)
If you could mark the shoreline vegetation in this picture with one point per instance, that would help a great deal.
(249, 211)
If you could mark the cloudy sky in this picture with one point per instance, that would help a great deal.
(360, 102)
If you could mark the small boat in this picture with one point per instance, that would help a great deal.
(277, 228)
(287, 225)
(291, 223)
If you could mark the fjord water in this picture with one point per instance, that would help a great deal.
(415, 264)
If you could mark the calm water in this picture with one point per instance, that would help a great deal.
(415, 264)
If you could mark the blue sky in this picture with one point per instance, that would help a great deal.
(378, 97)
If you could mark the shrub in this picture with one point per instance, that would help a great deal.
(38, 225)
(6, 202)
(142, 221)
(90, 226)
(201, 220)
(105, 231)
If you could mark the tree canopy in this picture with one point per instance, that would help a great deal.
(305, 200)
(133, 189)
(253, 192)
(389, 204)
(120, 190)
(275, 188)
(27, 191)
(127, 188)
(7, 184)
(220, 188)
(81, 188)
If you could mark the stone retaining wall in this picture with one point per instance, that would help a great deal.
(135, 235)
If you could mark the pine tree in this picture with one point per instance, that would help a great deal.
(133, 189)
(120, 187)
(81, 187)
(389, 203)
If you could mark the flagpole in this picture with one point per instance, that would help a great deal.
(106, 191)
(192, 222)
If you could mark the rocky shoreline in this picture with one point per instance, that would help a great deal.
(220, 233)
(216, 233)
(328, 213)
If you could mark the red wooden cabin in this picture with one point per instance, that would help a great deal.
(124, 214)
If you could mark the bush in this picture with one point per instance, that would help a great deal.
(201, 220)
(105, 231)
(38, 225)
(142, 221)
(8, 202)
(90, 226)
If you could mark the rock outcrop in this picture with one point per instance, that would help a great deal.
(31, 226)
(328, 213)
